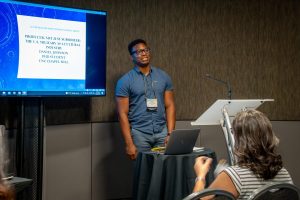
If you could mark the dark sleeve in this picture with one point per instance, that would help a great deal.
(122, 87)
(169, 84)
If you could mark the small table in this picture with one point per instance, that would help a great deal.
(20, 183)
(167, 177)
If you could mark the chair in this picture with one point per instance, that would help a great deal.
(276, 191)
(218, 194)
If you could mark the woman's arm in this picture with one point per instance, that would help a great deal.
(222, 181)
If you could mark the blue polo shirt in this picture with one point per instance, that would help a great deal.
(137, 87)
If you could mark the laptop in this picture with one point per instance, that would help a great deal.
(182, 141)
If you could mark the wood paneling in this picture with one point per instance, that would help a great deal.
(254, 44)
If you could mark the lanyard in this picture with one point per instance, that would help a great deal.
(146, 85)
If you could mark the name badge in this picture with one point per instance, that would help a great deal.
(151, 104)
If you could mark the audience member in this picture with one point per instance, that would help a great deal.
(257, 160)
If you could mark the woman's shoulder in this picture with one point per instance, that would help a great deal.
(238, 168)
(283, 170)
(239, 172)
(283, 175)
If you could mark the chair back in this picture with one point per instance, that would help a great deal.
(276, 191)
(218, 194)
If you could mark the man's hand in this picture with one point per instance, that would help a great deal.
(167, 139)
(131, 151)
(123, 109)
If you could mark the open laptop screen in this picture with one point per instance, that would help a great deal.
(182, 141)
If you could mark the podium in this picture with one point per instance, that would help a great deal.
(222, 112)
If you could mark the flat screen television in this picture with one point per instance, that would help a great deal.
(51, 51)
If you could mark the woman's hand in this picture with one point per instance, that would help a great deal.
(202, 166)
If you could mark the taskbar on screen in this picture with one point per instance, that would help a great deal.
(89, 92)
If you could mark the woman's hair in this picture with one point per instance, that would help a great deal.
(256, 144)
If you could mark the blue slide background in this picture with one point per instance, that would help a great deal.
(9, 47)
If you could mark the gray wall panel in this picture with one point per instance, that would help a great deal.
(289, 134)
(67, 165)
(111, 169)
(90, 163)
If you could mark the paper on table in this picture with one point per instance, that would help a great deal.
(198, 149)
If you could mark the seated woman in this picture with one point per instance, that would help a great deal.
(257, 161)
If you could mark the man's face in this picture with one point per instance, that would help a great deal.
(140, 55)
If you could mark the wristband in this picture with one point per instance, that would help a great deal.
(199, 178)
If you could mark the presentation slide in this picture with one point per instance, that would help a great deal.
(56, 48)
(51, 51)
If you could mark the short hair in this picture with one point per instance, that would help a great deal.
(256, 144)
(135, 42)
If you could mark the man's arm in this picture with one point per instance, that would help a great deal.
(123, 109)
(170, 110)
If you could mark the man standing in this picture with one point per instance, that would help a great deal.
(145, 102)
